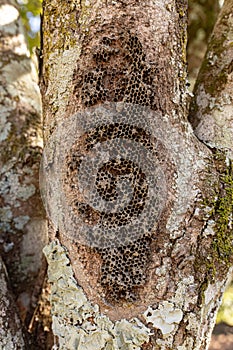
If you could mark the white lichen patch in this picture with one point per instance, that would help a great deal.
(189, 163)
(6, 214)
(165, 317)
(76, 322)
(212, 292)
(210, 229)
(12, 190)
(61, 75)
(193, 322)
(7, 247)
(215, 113)
(21, 221)
(5, 222)
(186, 293)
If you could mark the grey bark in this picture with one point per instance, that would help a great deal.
(94, 53)
(11, 334)
(202, 16)
(23, 231)
(211, 112)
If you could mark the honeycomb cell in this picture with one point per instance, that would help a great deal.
(109, 173)
(119, 71)
(113, 179)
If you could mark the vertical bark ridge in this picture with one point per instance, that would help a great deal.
(23, 225)
(211, 113)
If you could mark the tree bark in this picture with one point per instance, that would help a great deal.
(211, 109)
(23, 231)
(202, 16)
(114, 65)
(11, 334)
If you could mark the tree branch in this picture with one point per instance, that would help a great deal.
(11, 335)
(211, 112)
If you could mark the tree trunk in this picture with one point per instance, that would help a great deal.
(23, 231)
(150, 275)
(11, 335)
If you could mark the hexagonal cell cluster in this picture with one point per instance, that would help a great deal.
(124, 269)
(121, 205)
(114, 178)
(118, 71)
(116, 189)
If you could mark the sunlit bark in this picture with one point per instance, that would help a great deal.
(191, 248)
(23, 225)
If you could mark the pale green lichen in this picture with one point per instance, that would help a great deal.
(165, 317)
(76, 322)
(21, 221)
(16, 191)
(186, 287)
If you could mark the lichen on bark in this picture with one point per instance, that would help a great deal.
(132, 53)
(202, 16)
(76, 322)
(23, 226)
(211, 109)
(11, 334)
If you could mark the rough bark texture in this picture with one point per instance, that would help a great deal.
(23, 224)
(11, 335)
(133, 52)
(211, 112)
(202, 16)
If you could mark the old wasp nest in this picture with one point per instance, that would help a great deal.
(113, 171)
(117, 70)
(120, 204)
